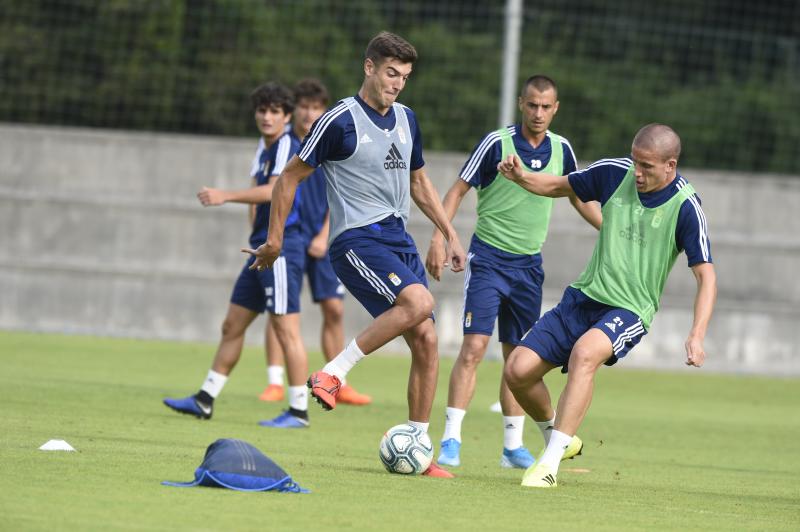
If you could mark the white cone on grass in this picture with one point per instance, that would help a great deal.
(56, 445)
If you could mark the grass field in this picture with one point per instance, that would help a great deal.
(679, 451)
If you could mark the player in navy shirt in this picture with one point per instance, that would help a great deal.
(311, 101)
(276, 291)
(650, 214)
(370, 148)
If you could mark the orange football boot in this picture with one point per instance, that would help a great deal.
(324, 388)
(436, 471)
(273, 392)
(349, 396)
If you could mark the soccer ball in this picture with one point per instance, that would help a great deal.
(406, 450)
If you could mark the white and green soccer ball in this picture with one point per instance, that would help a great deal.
(406, 450)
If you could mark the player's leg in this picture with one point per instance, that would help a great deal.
(514, 453)
(332, 341)
(459, 395)
(247, 301)
(423, 374)
(394, 295)
(274, 355)
(286, 279)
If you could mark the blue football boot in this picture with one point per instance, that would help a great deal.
(190, 405)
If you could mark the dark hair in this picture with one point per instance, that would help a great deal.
(387, 45)
(311, 89)
(539, 82)
(273, 95)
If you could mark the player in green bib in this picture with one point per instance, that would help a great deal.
(650, 214)
(504, 272)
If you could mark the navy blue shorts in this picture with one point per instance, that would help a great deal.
(554, 335)
(375, 273)
(322, 279)
(510, 294)
(277, 289)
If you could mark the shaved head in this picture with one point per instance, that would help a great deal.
(659, 139)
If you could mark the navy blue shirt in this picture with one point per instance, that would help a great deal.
(480, 170)
(600, 180)
(267, 164)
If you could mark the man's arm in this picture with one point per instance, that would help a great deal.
(589, 210)
(703, 307)
(427, 199)
(549, 185)
(283, 193)
(437, 258)
(254, 195)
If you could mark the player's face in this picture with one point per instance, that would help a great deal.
(652, 172)
(306, 112)
(384, 81)
(271, 120)
(538, 109)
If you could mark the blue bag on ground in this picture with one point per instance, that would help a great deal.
(237, 465)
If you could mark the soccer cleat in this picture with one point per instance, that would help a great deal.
(573, 449)
(450, 453)
(190, 405)
(436, 471)
(519, 458)
(324, 388)
(285, 421)
(273, 392)
(349, 396)
(540, 475)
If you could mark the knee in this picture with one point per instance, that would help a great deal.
(333, 315)
(514, 372)
(584, 361)
(418, 302)
(231, 328)
(472, 353)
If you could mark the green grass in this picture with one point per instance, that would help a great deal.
(687, 450)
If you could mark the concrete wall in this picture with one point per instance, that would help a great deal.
(101, 233)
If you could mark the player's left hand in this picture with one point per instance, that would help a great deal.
(211, 196)
(695, 354)
(265, 255)
(317, 247)
(510, 167)
(456, 255)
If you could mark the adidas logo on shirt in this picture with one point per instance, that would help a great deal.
(365, 138)
(394, 160)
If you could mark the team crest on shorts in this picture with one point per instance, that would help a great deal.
(468, 319)
(395, 279)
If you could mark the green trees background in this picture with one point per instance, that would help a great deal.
(725, 74)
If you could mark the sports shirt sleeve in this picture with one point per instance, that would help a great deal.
(255, 166)
(598, 181)
(282, 152)
(481, 166)
(326, 139)
(570, 162)
(691, 233)
(417, 161)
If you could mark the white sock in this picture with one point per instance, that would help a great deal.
(555, 449)
(298, 397)
(214, 383)
(419, 424)
(512, 431)
(275, 375)
(452, 423)
(546, 427)
(344, 361)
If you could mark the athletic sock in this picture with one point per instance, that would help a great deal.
(546, 427)
(453, 418)
(420, 425)
(302, 414)
(275, 375)
(203, 398)
(214, 383)
(512, 431)
(555, 449)
(298, 397)
(344, 361)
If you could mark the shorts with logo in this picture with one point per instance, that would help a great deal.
(322, 279)
(554, 335)
(277, 289)
(375, 273)
(502, 286)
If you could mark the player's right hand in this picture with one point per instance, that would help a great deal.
(211, 196)
(436, 260)
(265, 254)
(510, 167)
